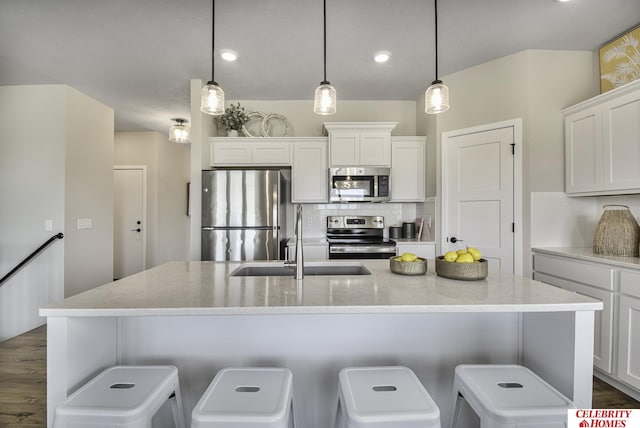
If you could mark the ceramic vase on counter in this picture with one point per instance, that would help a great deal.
(617, 232)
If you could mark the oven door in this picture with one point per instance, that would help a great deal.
(346, 251)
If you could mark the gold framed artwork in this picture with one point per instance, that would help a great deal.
(620, 60)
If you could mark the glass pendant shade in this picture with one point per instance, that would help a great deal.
(180, 133)
(325, 99)
(436, 98)
(212, 99)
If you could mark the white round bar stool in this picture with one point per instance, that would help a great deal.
(384, 397)
(509, 396)
(246, 398)
(122, 397)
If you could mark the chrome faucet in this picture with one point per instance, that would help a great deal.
(299, 272)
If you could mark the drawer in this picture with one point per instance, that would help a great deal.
(630, 283)
(585, 273)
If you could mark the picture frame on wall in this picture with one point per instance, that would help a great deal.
(620, 60)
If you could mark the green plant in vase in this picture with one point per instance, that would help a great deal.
(233, 119)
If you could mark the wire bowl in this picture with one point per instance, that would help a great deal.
(419, 267)
(462, 271)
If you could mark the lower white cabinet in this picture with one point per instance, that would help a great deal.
(311, 250)
(426, 250)
(617, 326)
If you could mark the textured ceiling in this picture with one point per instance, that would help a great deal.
(138, 56)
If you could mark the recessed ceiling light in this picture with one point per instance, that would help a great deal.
(382, 56)
(229, 55)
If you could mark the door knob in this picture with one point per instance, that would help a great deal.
(136, 230)
(453, 240)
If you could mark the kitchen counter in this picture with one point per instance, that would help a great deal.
(194, 316)
(587, 254)
(204, 288)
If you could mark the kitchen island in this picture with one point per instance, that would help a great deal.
(195, 316)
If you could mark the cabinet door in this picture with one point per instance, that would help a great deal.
(603, 323)
(629, 341)
(223, 153)
(375, 148)
(583, 151)
(407, 171)
(621, 131)
(271, 153)
(344, 149)
(309, 172)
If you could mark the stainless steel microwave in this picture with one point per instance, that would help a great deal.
(359, 184)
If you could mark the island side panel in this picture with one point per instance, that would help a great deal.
(316, 347)
(77, 349)
(558, 346)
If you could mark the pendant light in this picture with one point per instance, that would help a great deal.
(212, 98)
(436, 98)
(180, 133)
(325, 98)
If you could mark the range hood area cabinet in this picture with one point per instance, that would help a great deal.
(359, 143)
(602, 143)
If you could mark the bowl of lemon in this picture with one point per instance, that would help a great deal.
(464, 264)
(408, 264)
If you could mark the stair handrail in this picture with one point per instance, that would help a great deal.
(30, 256)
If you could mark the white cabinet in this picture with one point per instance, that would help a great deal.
(426, 250)
(617, 326)
(359, 143)
(408, 180)
(309, 171)
(602, 143)
(591, 280)
(312, 250)
(243, 151)
(629, 329)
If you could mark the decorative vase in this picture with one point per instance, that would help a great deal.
(617, 232)
(232, 133)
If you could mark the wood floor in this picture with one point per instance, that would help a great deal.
(23, 383)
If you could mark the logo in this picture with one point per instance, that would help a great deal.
(603, 418)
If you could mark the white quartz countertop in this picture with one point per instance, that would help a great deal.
(204, 288)
(587, 254)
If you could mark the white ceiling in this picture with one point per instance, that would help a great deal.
(139, 55)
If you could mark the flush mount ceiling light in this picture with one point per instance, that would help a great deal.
(436, 98)
(382, 56)
(212, 97)
(228, 55)
(325, 97)
(180, 133)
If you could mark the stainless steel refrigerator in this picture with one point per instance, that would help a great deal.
(243, 214)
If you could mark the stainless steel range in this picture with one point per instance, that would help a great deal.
(358, 237)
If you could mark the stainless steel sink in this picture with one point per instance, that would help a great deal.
(311, 268)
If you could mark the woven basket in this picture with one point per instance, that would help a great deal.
(617, 232)
(462, 271)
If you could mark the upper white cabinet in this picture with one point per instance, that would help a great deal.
(602, 143)
(309, 171)
(250, 151)
(359, 143)
(408, 180)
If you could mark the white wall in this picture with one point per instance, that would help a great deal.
(534, 85)
(89, 193)
(167, 176)
(47, 133)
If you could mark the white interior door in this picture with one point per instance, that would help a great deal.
(478, 193)
(129, 221)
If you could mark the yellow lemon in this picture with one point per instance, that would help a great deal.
(450, 256)
(461, 251)
(477, 255)
(465, 258)
(409, 257)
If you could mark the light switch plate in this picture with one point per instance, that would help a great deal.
(84, 223)
(48, 225)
